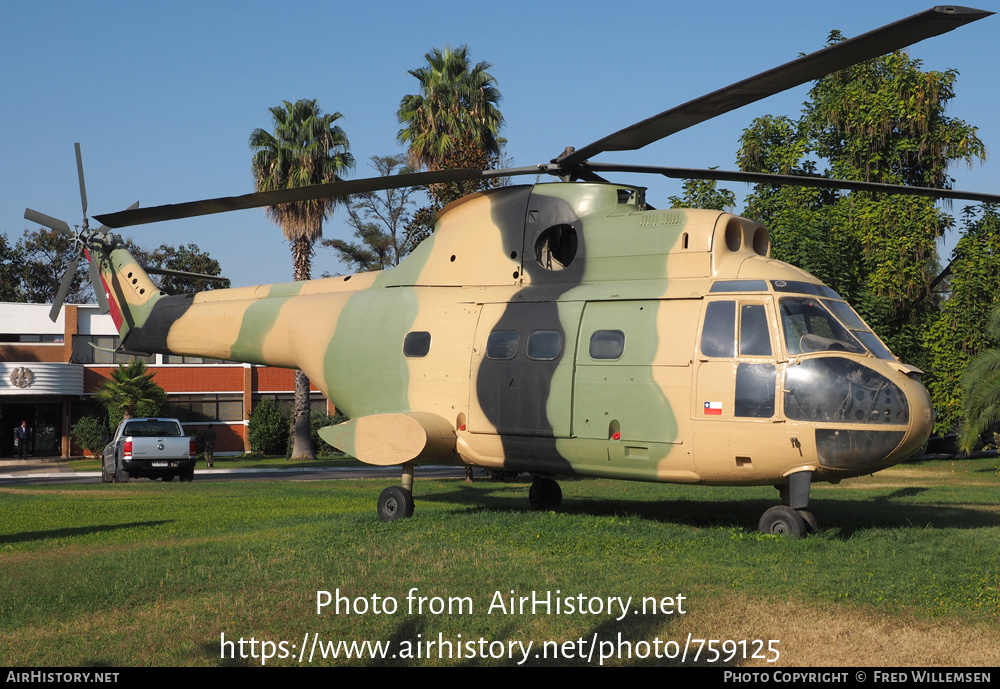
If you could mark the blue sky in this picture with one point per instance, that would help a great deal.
(163, 96)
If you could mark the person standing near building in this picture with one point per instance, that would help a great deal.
(22, 435)
(209, 437)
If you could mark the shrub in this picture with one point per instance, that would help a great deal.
(318, 421)
(92, 434)
(268, 429)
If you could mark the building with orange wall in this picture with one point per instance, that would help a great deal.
(49, 371)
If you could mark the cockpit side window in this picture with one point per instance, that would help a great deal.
(755, 340)
(718, 337)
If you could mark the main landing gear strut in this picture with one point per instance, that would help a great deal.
(396, 502)
(791, 519)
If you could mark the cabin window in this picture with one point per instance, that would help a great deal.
(755, 340)
(607, 344)
(544, 345)
(718, 337)
(555, 247)
(502, 344)
(416, 344)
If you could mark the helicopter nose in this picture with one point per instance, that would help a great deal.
(868, 415)
(921, 418)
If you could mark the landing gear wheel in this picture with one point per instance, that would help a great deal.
(395, 503)
(544, 494)
(782, 521)
(810, 521)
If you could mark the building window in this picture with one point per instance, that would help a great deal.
(84, 353)
(178, 359)
(286, 400)
(198, 408)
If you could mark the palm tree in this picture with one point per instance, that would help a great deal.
(981, 390)
(456, 105)
(131, 392)
(306, 148)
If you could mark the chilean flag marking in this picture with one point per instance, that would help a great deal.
(713, 408)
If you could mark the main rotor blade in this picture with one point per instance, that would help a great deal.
(932, 22)
(47, 221)
(64, 286)
(142, 216)
(797, 180)
(83, 186)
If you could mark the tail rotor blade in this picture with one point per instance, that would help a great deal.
(47, 221)
(83, 186)
(64, 286)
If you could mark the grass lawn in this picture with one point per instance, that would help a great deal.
(906, 571)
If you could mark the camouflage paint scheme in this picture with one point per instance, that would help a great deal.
(662, 410)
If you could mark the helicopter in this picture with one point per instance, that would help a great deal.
(569, 328)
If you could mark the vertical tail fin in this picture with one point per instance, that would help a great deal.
(129, 291)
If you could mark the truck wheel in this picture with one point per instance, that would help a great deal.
(187, 475)
(121, 475)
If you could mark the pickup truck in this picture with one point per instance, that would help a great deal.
(151, 448)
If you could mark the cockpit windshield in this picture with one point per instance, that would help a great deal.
(858, 328)
(809, 327)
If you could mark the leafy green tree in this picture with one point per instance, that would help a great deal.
(882, 120)
(307, 147)
(960, 330)
(32, 269)
(704, 193)
(981, 390)
(11, 262)
(131, 392)
(381, 222)
(188, 258)
(457, 105)
(45, 255)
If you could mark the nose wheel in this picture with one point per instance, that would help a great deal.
(791, 519)
(782, 520)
